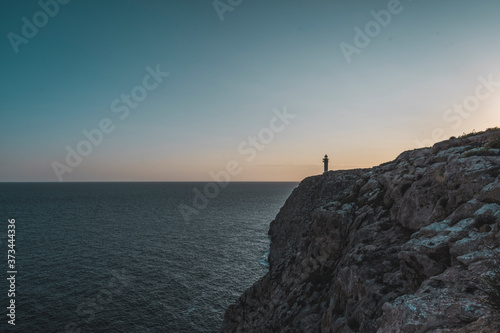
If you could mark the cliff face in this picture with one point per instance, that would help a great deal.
(402, 247)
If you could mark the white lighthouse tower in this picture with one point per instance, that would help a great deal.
(325, 161)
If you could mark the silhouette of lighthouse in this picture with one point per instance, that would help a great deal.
(325, 161)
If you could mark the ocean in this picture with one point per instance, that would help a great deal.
(120, 257)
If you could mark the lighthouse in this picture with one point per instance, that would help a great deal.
(325, 161)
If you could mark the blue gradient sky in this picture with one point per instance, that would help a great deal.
(227, 77)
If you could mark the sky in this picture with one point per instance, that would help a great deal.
(259, 90)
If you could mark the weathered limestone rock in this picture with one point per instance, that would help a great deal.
(402, 247)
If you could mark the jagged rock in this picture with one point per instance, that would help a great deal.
(491, 193)
(401, 247)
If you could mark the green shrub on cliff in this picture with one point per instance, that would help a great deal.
(495, 144)
(489, 149)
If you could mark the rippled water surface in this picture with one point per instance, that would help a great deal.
(119, 257)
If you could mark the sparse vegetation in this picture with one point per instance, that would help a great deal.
(490, 285)
(466, 135)
(492, 289)
(479, 152)
(494, 143)
(486, 150)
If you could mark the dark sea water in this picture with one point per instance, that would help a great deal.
(119, 257)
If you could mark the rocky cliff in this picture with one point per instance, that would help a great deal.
(408, 246)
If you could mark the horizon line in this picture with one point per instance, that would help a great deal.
(155, 181)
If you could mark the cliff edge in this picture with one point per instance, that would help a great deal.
(412, 245)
